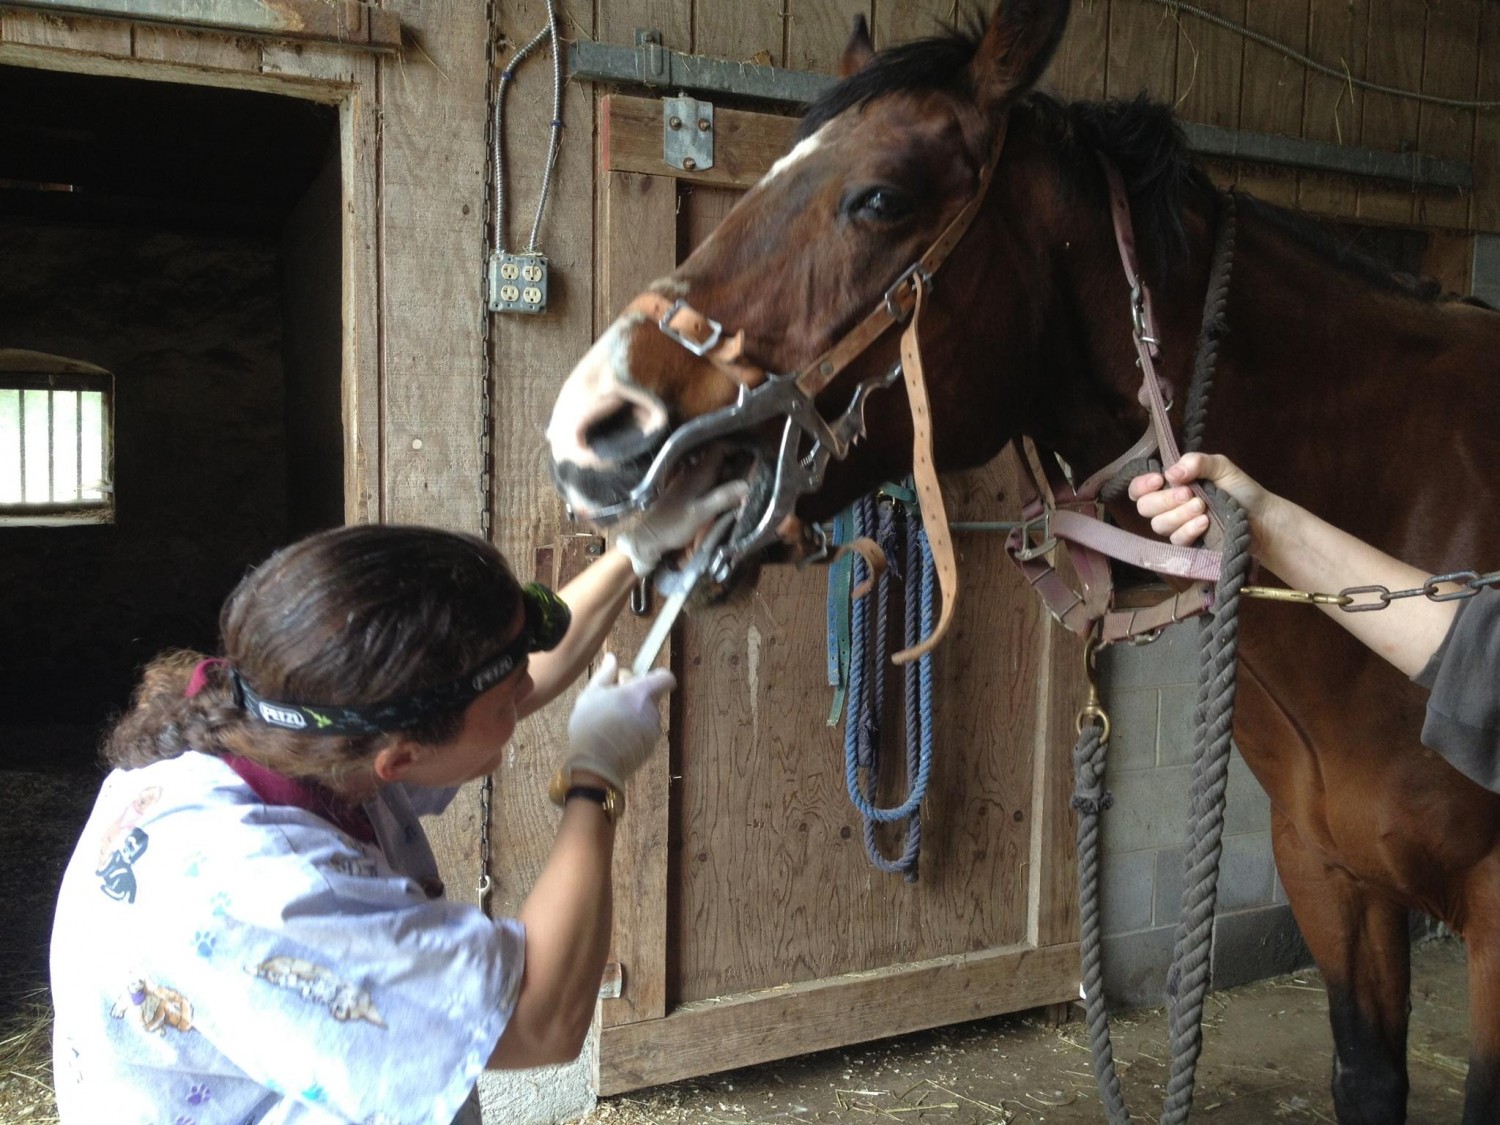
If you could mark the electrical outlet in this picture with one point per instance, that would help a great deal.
(518, 283)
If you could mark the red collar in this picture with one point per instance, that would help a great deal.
(277, 789)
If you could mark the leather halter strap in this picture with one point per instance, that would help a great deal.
(1054, 509)
(901, 303)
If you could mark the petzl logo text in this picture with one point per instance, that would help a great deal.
(282, 717)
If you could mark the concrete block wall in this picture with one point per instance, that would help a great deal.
(1149, 691)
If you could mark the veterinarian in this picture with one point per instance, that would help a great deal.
(1449, 647)
(252, 926)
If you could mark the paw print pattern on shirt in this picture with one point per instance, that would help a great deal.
(204, 941)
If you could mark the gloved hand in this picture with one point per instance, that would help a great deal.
(615, 726)
(675, 519)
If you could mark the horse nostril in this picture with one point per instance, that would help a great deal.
(623, 433)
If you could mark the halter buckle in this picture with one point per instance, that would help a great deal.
(892, 306)
(1035, 536)
(715, 330)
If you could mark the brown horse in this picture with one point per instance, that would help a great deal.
(1338, 385)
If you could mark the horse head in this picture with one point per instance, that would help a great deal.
(885, 165)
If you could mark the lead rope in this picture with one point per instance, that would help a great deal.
(868, 652)
(1213, 724)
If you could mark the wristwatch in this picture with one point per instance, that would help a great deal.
(607, 797)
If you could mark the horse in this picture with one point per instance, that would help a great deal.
(1337, 383)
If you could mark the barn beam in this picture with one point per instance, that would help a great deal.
(650, 64)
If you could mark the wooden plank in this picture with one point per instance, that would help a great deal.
(638, 244)
(1450, 68)
(197, 48)
(745, 144)
(742, 30)
(743, 1030)
(65, 33)
(359, 142)
(348, 23)
(616, 21)
(1333, 109)
(316, 60)
(1210, 66)
(1394, 45)
(899, 21)
(1077, 70)
(1271, 92)
(816, 31)
(1142, 52)
(1484, 205)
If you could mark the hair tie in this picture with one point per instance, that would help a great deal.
(199, 679)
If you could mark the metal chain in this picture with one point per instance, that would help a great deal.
(1469, 583)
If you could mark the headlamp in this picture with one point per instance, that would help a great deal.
(547, 621)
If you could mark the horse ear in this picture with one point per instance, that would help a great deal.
(858, 51)
(1019, 42)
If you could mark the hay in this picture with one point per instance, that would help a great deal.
(26, 1063)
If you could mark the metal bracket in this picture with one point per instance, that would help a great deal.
(687, 130)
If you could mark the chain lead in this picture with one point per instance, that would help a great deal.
(1348, 599)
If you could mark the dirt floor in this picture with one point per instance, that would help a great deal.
(1265, 1060)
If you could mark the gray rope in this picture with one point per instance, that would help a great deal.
(1213, 725)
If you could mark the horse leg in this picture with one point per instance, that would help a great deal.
(1481, 933)
(1362, 946)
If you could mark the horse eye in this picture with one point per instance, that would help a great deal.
(881, 205)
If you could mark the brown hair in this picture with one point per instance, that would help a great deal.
(348, 617)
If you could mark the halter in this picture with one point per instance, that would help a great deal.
(764, 395)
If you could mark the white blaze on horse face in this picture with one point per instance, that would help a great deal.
(597, 388)
(804, 148)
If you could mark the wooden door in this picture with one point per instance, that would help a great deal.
(750, 925)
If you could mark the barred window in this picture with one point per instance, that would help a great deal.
(56, 452)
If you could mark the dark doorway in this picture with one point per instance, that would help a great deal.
(187, 239)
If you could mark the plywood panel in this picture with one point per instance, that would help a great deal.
(1484, 211)
(743, 30)
(1271, 92)
(1333, 109)
(359, 139)
(1394, 43)
(1450, 68)
(1142, 52)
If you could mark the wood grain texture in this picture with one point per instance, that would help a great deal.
(616, 21)
(817, 31)
(1272, 92)
(639, 244)
(1333, 109)
(745, 144)
(1077, 72)
(1211, 66)
(741, 30)
(1142, 52)
(899, 21)
(1393, 58)
(1450, 68)
(742, 1030)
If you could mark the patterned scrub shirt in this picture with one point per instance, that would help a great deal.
(217, 960)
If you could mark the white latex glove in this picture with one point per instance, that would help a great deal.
(615, 726)
(676, 518)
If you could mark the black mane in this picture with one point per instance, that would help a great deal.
(1139, 136)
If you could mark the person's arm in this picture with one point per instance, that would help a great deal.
(613, 729)
(597, 595)
(1305, 552)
